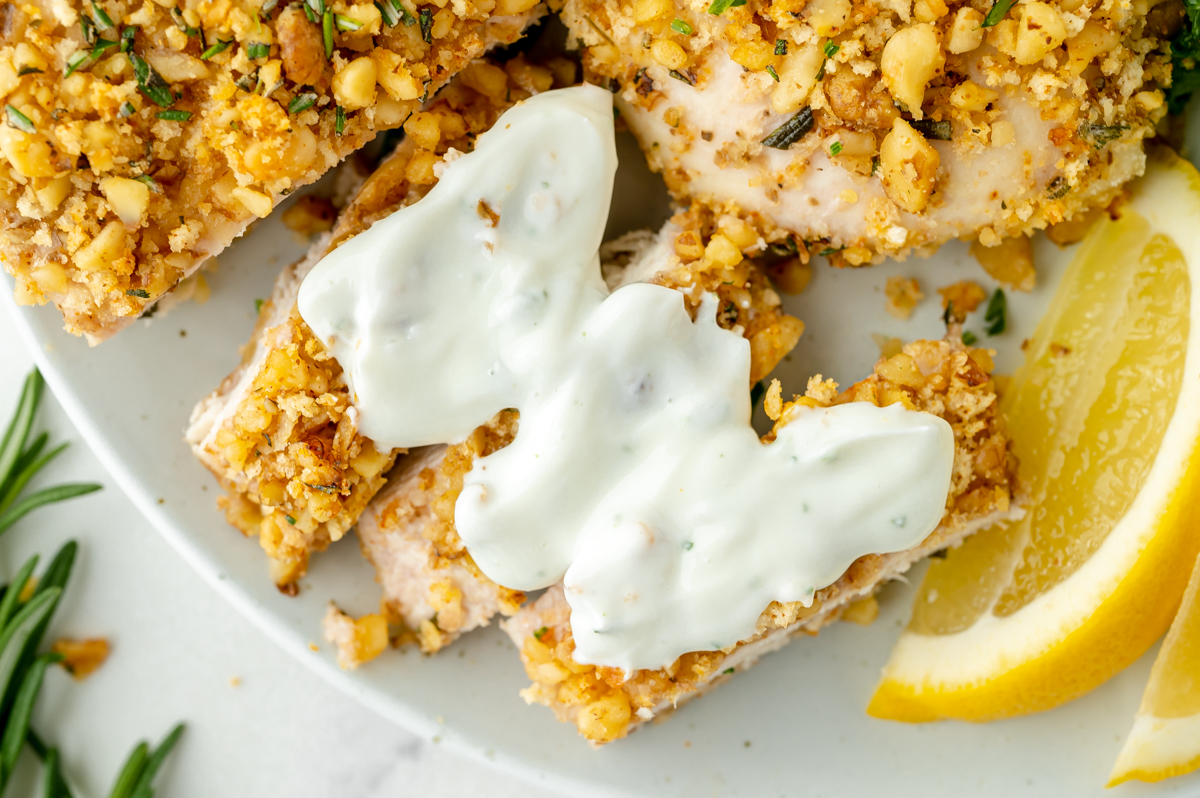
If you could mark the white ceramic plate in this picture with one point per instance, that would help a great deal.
(793, 726)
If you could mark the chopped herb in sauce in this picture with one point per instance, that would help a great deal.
(792, 130)
(721, 6)
(302, 102)
(679, 26)
(825, 253)
(938, 130)
(999, 10)
(996, 314)
(19, 120)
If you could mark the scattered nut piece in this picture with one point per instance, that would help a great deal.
(964, 296)
(1010, 262)
(903, 295)
(81, 657)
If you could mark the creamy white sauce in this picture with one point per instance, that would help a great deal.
(635, 477)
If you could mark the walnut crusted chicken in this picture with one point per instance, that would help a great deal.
(280, 432)
(432, 589)
(944, 378)
(144, 137)
(877, 128)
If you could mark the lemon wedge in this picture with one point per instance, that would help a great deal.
(1105, 420)
(1165, 740)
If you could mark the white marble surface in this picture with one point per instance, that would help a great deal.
(259, 723)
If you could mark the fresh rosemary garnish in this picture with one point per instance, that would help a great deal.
(346, 24)
(792, 130)
(327, 33)
(302, 102)
(940, 130)
(317, 7)
(996, 315)
(28, 70)
(835, 148)
(830, 49)
(389, 12)
(150, 83)
(679, 26)
(426, 19)
(780, 47)
(103, 20)
(721, 6)
(140, 293)
(257, 50)
(999, 9)
(150, 183)
(127, 36)
(339, 120)
(771, 71)
(19, 120)
(215, 49)
(174, 116)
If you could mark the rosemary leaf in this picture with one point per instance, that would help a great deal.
(174, 116)
(25, 471)
(131, 771)
(150, 83)
(143, 788)
(405, 14)
(58, 493)
(346, 23)
(327, 33)
(940, 131)
(12, 595)
(389, 13)
(969, 338)
(215, 49)
(126, 109)
(681, 76)
(157, 189)
(88, 28)
(426, 19)
(181, 23)
(830, 49)
(679, 26)
(267, 8)
(792, 130)
(302, 102)
(721, 6)
(53, 783)
(103, 20)
(316, 6)
(999, 9)
(257, 50)
(28, 70)
(1100, 134)
(780, 47)
(996, 315)
(771, 71)
(19, 631)
(19, 120)
(76, 60)
(17, 432)
(17, 722)
(59, 570)
(835, 148)
(128, 34)
(339, 120)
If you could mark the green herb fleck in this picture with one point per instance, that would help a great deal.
(150, 183)
(346, 23)
(728, 670)
(427, 24)
(127, 36)
(103, 20)
(150, 83)
(1058, 187)
(996, 315)
(19, 120)
(174, 116)
(140, 293)
(28, 70)
(792, 130)
(126, 109)
(540, 633)
(290, 520)
(257, 50)
(999, 9)
(215, 49)
(88, 27)
(874, 165)
(181, 23)
(329, 489)
(830, 49)
(835, 148)
(327, 33)
(771, 71)
(302, 102)
(1100, 134)
(339, 120)
(780, 47)
(679, 26)
(969, 338)
(939, 131)
(684, 76)
(258, 303)
(830, 251)
(390, 14)
(267, 8)
(721, 6)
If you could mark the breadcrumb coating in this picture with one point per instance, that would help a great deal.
(143, 137)
(867, 129)
(940, 377)
(281, 432)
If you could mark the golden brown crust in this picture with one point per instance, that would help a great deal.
(122, 186)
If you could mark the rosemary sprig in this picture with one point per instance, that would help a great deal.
(792, 130)
(426, 18)
(20, 460)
